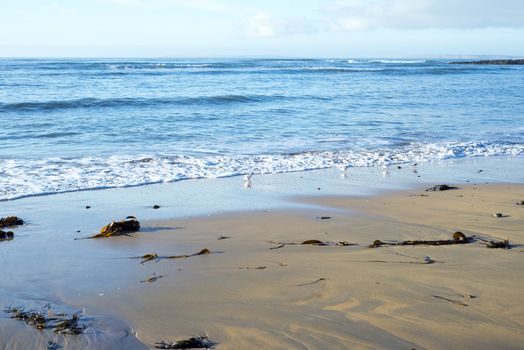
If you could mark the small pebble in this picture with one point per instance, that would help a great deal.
(498, 215)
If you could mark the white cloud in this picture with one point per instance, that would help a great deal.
(347, 15)
(263, 25)
(62, 10)
(260, 26)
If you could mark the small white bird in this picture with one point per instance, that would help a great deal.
(247, 181)
(344, 173)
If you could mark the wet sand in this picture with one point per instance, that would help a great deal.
(245, 295)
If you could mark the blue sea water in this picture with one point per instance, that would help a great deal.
(74, 124)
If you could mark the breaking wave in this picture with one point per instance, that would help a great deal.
(54, 175)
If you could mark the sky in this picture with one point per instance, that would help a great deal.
(261, 28)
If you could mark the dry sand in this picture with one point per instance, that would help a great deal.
(248, 296)
(245, 295)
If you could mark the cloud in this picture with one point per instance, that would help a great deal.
(62, 10)
(349, 15)
(264, 25)
(260, 26)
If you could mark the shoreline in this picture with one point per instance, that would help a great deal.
(246, 295)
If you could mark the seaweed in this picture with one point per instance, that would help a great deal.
(6, 235)
(314, 242)
(32, 318)
(499, 244)
(278, 246)
(458, 238)
(201, 252)
(191, 343)
(68, 326)
(11, 221)
(253, 268)
(314, 282)
(59, 323)
(119, 228)
(439, 188)
(152, 278)
(450, 300)
(146, 257)
(504, 244)
(153, 256)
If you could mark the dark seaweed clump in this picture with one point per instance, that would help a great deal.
(11, 221)
(191, 343)
(59, 323)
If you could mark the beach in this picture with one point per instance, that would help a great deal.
(259, 287)
(273, 175)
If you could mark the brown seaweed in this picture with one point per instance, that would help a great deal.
(191, 343)
(278, 246)
(32, 318)
(458, 238)
(6, 235)
(153, 256)
(253, 268)
(68, 326)
(11, 221)
(499, 244)
(202, 252)
(59, 323)
(314, 282)
(313, 242)
(152, 278)
(450, 300)
(146, 257)
(119, 228)
(439, 188)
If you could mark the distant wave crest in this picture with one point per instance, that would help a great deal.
(88, 102)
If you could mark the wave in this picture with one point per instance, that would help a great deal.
(160, 66)
(90, 102)
(397, 61)
(23, 177)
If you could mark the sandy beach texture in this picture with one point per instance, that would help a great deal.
(348, 297)
(258, 289)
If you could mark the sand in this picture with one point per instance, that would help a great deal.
(245, 295)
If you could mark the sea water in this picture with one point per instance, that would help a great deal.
(78, 124)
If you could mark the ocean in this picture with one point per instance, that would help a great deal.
(79, 124)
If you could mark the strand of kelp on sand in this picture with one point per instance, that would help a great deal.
(27, 177)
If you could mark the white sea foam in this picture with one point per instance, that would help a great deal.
(397, 61)
(22, 178)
